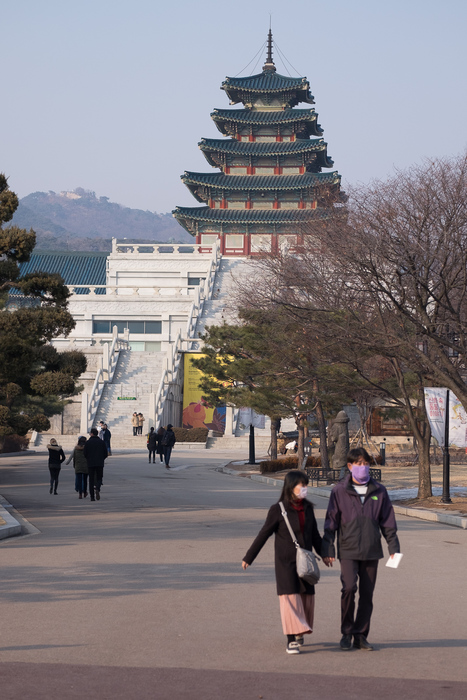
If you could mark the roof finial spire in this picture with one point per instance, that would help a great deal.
(269, 65)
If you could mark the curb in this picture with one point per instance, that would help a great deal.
(420, 513)
(9, 526)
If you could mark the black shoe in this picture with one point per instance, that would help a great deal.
(51, 490)
(55, 493)
(346, 642)
(98, 495)
(93, 499)
(360, 642)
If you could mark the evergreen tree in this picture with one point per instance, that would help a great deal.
(34, 377)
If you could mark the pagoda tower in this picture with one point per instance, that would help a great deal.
(270, 187)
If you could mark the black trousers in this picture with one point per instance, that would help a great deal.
(362, 575)
(153, 453)
(96, 474)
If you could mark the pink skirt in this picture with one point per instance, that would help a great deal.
(297, 612)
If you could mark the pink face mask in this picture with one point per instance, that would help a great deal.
(361, 473)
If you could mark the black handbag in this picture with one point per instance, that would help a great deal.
(306, 561)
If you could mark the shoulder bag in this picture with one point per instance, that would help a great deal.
(307, 562)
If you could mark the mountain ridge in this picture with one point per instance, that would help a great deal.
(78, 220)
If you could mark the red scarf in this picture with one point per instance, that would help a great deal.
(298, 506)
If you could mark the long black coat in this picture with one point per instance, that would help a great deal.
(95, 451)
(287, 579)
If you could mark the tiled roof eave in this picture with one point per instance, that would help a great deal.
(249, 216)
(219, 181)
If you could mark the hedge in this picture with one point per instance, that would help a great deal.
(279, 465)
(191, 434)
(14, 443)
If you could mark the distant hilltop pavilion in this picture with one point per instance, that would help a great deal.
(270, 187)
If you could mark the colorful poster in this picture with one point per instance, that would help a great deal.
(196, 411)
(435, 403)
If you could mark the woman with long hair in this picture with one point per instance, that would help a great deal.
(296, 596)
(56, 457)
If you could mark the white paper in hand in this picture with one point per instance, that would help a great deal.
(394, 562)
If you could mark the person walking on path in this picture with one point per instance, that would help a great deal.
(152, 445)
(359, 511)
(296, 596)
(80, 463)
(95, 452)
(106, 438)
(56, 457)
(141, 420)
(168, 441)
(135, 423)
(160, 446)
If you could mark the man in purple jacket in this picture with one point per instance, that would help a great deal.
(359, 511)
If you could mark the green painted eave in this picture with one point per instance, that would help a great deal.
(280, 117)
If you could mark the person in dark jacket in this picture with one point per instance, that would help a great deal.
(296, 596)
(159, 445)
(168, 441)
(56, 457)
(95, 452)
(80, 464)
(359, 511)
(106, 438)
(152, 445)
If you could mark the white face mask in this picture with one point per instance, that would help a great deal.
(303, 492)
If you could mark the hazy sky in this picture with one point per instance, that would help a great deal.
(114, 96)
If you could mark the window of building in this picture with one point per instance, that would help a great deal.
(134, 327)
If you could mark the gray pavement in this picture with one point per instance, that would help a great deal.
(142, 593)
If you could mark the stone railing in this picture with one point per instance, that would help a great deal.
(174, 354)
(90, 402)
(108, 290)
(124, 247)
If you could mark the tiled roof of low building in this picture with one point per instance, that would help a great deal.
(75, 268)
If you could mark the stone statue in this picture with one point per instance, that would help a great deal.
(339, 441)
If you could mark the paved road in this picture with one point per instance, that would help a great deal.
(141, 595)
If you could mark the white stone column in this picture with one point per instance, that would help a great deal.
(229, 412)
(105, 361)
(84, 413)
(152, 411)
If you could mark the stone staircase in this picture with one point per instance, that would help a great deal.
(221, 307)
(239, 446)
(137, 376)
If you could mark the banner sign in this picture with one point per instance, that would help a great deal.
(196, 411)
(435, 403)
(249, 417)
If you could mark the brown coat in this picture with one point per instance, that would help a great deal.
(287, 579)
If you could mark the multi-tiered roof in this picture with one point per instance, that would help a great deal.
(270, 185)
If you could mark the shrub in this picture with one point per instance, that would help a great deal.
(191, 434)
(279, 465)
(14, 443)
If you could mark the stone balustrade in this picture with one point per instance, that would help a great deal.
(130, 291)
(122, 247)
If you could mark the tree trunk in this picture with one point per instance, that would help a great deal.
(424, 467)
(323, 440)
(301, 442)
(421, 433)
(273, 438)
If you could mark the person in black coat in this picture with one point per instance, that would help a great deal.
(152, 444)
(296, 596)
(95, 452)
(56, 457)
(159, 445)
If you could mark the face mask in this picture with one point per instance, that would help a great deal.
(361, 473)
(303, 492)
